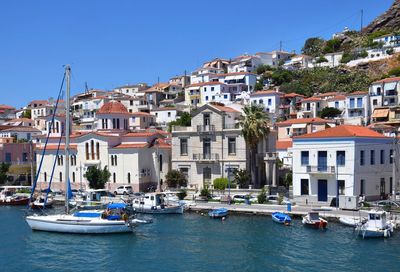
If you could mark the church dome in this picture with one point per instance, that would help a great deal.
(112, 107)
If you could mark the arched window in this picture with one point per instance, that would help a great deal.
(112, 160)
(160, 162)
(260, 101)
(92, 148)
(98, 150)
(45, 177)
(129, 177)
(87, 151)
(117, 123)
(114, 177)
(114, 125)
(60, 176)
(115, 160)
(73, 176)
(57, 127)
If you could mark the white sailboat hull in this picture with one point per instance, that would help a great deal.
(158, 210)
(71, 224)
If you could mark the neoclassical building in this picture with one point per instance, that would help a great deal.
(140, 158)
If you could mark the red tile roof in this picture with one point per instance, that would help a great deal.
(291, 95)
(387, 80)
(223, 108)
(283, 145)
(343, 131)
(112, 107)
(337, 97)
(205, 84)
(358, 93)
(6, 107)
(131, 145)
(140, 134)
(315, 120)
(311, 99)
(326, 94)
(54, 147)
(141, 113)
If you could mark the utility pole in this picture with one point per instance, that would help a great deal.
(31, 151)
(158, 166)
(362, 15)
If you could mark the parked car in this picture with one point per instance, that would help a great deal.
(242, 198)
(387, 203)
(124, 190)
(274, 199)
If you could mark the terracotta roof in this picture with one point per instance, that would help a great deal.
(164, 109)
(157, 87)
(22, 129)
(141, 113)
(266, 92)
(326, 94)
(131, 145)
(283, 145)
(55, 146)
(233, 74)
(303, 121)
(205, 84)
(223, 108)
(291, 95)
(358, 93)
(162, 143)
(140, 134)
(337, 97)
(20, 120)
(343, 131)
(159, 131)
(6, 107)
(311, 99)
(387, 80)
(43, 102)
(112, 107)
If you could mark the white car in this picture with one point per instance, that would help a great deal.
(124, 190)
(274, 199)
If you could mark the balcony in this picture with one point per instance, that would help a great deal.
(318, 169)
(391, 93)
(206, 157)
(205, 128)
(232, 126)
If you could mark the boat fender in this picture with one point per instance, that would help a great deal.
(385, 233)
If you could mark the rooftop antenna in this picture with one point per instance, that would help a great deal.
(86, 88)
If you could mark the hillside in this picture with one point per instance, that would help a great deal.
(388, 21)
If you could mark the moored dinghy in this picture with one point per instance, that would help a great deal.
(351, 221)
(312, 219)
(218, 213)
(156, 203)
(375, 226)
(281, 218)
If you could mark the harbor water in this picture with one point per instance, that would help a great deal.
(192, 242)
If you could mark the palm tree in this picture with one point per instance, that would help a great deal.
(255, 126)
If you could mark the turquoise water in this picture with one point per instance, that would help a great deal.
(195, 243)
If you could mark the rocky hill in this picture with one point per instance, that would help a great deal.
(388, 21)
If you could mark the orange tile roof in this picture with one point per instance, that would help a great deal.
(326, 94)
(112, 107)
(20, 120)
(141, 113)
(343, 131)
(233, 74)
(266, 92)
(131, 145)
(291, 95)
(164, 109)
(337, 97)
(54, 147)
(140, 134)
(205, 84)
(311, 99)
(315, 120)
(358, 93)
(6, 107)
(283, 145)
(387, 80)
(223, 108)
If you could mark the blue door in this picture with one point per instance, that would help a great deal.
(322, 190)
(322, 161)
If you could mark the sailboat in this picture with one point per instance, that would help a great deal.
(112, 220)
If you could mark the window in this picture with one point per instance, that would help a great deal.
(98, 150)
(269, 102)
(337, 104)
(231, 146)
(213, 97)
(92, 148)
(340, 184)
(112, 160)
(362, 158)
(351, 103)
(359, 102)
(8, 157)
(391, 156)
(114, 177)
(205, 89)
(372, 158)
(117, 123)
(129, 177)
(115, 160)
(114, 124)
(206, 98)
(45, 177)
(169, 114)
(390, 185)
(225, 96)
(375, 102)
(87, 151)
(184, 147)
(160, 162)
(304, 186)
(362, 187)
(60, 176)
(382, 156)
(24, 157)
(73, 176)
(260, 101)
(304, 157)
(288, 131)
(341, 158)
(212, 88)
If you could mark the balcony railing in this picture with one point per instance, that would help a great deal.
(231, 126)
(181, 128)
(205, 128)
(320, 169)
(390, 93)
(210, 157)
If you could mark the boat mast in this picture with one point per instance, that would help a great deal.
(67, 127)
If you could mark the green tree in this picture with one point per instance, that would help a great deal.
(4, 167)
(184, 120)
(27, 114)
(97, 177)
(261, 69)
(332, 46)
(175, 178)
(321, 59)
(288, 179)
(280, 76)
(262, 196)
(220, 183)
(329, 112)
(255, 126)
(394, 72)
(241, 177)
(313, 47)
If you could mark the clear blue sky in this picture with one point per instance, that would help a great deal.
(112, 43)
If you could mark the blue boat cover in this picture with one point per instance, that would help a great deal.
(87, 214)
(114, 217)
(116, 206)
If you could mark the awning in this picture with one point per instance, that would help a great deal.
(234, 77)
(390, 86)
(299, 125)
(380, 113)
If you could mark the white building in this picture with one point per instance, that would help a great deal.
(132, 90)
(357, 110)
(268, 99)
(20, 133)
(140, 159)
(337, 102)
(164, 115)
(384, 92)
(344, 160)
(298, 62)
(310, 107)
(388, 40)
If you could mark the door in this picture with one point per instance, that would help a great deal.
(206, 148)
(322, 190)
(382, 188)
(322, 161)
(206, 176)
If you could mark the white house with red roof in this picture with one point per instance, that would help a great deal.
(139, 158)
(337, 102)
(357, 111)
(268, 99)
(310, 107)
(343, 160)
(164, 115)
(6, 113)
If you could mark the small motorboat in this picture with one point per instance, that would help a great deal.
(39, 203)
(156, 203)
(376, 225)
(218, 213)
(352, 221)
(281, 218)
(312, 219)
(8, 196)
